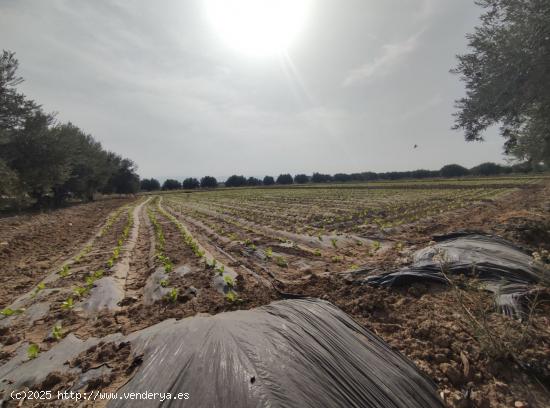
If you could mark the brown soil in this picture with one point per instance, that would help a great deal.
(431, 324)
(32, 245)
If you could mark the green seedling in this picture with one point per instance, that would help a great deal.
(281, 261)
(68, 304)
(221, 269)
(173, 295)
(231, 296)
(98, 274)
(269, 253)
(229, 281)
(10, 312)
(80, 291)
(163, 283)
(116, 253)
(168, 267)
(247, 242)
(64, 272)
(334, 243)
(32, 351)
(337, 259)
(57, 333)
(317, 252)
(376, 246)
(41, 286)
(110, 263)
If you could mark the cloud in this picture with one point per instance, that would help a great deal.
(392, 55)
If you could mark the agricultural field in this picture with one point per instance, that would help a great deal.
(118, 266)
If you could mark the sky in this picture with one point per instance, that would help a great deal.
(355, 85)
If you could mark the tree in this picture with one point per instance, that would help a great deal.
(253, 181)
(150, 185)
(301, 179)
(235, 181)
(321, 178)
(124, 179)
(209, 182)
(190, 183)
(454, 170)
(284, 179)
(507, 77)
(15, 108)
(39, 157)
(487, 169)
(342, 177)
(171, 184)
(268, 181)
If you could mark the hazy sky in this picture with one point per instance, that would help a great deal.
(360, 84)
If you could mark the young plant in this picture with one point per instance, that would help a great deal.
(80, 291)
(376, 246)
(221, 269)
(57, 333)
(317, 252)
(163, 283)
(173, 295)
(68, 304)
(231, 296)
(64, 272)
(334, 243)
(281, 261)
(40, 287)
(269, 253)
(33, 350)
(229, 281)
(10, 312)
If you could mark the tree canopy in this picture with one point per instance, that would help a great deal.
(44, 161)
(507, 77)
(209, 182)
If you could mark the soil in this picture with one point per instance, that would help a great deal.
(431, 324)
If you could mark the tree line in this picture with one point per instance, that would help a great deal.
(448, 171)
(45, 162)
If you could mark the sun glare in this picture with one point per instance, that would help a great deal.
(258, 27)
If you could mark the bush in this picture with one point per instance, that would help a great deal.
(285, 179)
(301, 179)
(149, 185)
(269, 181)
(190, 183)
(454, 170)
(253, 181)
(235, 181)
(171, 184)
(209, 182)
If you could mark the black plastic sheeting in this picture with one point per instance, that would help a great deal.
(291, 353)
(503, 268)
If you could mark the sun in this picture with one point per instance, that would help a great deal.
(258, 27)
